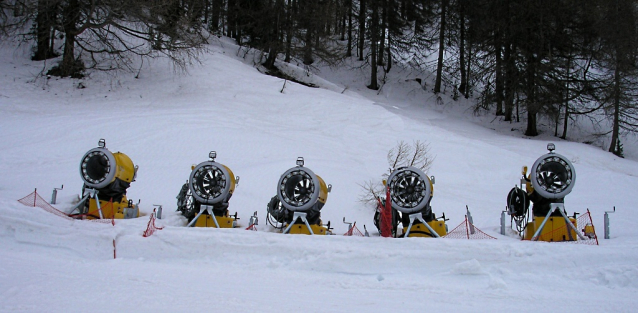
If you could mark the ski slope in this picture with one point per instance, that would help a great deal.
(166, 122)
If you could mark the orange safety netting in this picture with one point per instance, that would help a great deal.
(585, 227)
(151, 227)
(354, 231)
(467, 230)
(34, 200)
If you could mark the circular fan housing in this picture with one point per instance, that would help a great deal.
(410, 189)
(211, 182)
(553, 176)
(97, 168)
(299, 189)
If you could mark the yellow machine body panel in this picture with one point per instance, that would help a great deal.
(303, 229)
(117, 211)
(589, 231)
(233, 181)
(124, 168)
(419, 230)
(206, 220)
(555, 229)
(323, 190)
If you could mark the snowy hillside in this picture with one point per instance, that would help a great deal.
(166, 122)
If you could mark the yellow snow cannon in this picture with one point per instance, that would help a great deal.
(203, 199)
(106, 177)
(410, 192)
(296, 209)
(552, 177)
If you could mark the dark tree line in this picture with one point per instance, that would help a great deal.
(559, 59)
(105, 34)
(552, 59)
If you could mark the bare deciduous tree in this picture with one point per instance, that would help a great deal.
(402, 155)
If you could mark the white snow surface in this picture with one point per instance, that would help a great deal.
(166, 122)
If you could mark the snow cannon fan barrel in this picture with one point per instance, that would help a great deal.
(110, 174)
(553, 176)
(301, 190)
(297, 206)
(203, 200)
(410, 190)
(211, 182)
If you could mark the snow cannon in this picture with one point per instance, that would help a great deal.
(552, 177)
(106, 177)
(296, 209)
(409, 192)
(203, 199)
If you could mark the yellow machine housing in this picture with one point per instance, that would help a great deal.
(206, 220)
(419, 230)
(302, 229)
(124, 168)
(233, 180)
(117, 211)
(323, 190)
(555, 229)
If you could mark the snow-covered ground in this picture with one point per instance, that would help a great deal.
(167, 122)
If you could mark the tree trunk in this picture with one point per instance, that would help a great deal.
(234, 27)
(214, 21)
(349, 51)
(44, 24)
(307, 55)
(344, 17)
(439, 66)
(499, 74)
(613, 145)
(509, 82)
(362, 27)
(289, 31)
(510, 70)
(463, 84)
(69, 66)
(274, 42)
(532, 106)
(382, 28)
(374, 35)
(567, 95)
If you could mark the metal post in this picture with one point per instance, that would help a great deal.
(607, 222)
(349, 226)
(97, 202)
(503, 223)
(253, 220)
(470, 220)
(55, 194)
(158, 213)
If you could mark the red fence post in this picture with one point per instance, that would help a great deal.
(386, 215)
